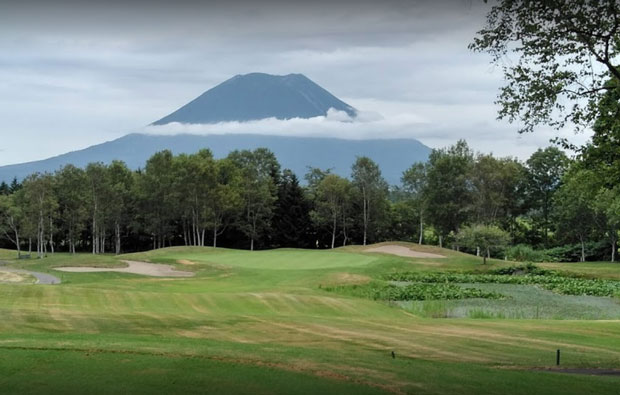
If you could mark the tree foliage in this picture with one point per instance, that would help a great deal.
(556, 56)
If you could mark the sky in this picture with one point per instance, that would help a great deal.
(73, 74)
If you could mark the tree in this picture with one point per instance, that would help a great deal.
(120, 180)
(574, 207)
(602, 154)
(291, 219)
(484, 237)
(331, 195)
(565, 49)
(156, 194)
(449, 189)
(607, 207)
(544, 170)
(226, 198)
(72, 194)
(4, 188)
(415, 182)
(40, 207)
(259, 177)
(497, 187)
(372, 190)
(11, 216)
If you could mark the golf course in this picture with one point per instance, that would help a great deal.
(292, 321)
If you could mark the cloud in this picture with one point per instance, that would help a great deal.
(367, 125)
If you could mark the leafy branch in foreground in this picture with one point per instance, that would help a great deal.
(566, 51)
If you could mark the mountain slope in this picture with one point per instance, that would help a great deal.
(295, 153)
(258, 96)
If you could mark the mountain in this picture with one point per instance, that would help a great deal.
(243, 98)
(257, 96)
(295, 153)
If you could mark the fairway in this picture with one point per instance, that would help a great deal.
(275, 321)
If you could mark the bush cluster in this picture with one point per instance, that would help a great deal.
(549, 280)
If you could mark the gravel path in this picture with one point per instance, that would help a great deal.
(403, 251)
(135, 267)
(42, 278)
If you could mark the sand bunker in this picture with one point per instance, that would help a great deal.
(135, 267)
(403, 251)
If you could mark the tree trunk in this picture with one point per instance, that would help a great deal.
(421, 230)
(613, 250)
(583, 250)
(51, 236)
(215, 237)
(334, 232)
(477, 251)
(118, 238)
(252, 244)
(440, 241)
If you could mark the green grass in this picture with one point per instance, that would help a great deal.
(259, 322)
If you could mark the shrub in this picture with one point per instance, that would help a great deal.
(524, 253)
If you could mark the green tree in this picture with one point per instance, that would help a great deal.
(607, 207)
(544, 171)
(372, 190)
(259, 177)
(574, 207)
(562, 53)
(72, 193)
(226, 199)
(291, 220)
(156, 194)
(415, 183)
(485, 237)
(331, 196)
(120, 180)
(449, 189)
(11, 217)
(602, 153)
(40, 207)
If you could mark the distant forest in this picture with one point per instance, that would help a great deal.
(549, 207)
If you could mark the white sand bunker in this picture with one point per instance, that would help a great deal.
(135, 267)
(403, 251)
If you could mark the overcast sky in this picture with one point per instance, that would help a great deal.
(74, 75)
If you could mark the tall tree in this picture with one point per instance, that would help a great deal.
(40, 207)
(331, 195)
(545, 169)
(562, 53)
(226, 198)
(11, 217)
(574, 209)
(291, 219)
(415, 183)
(449, 188)
(259, 174)
(156, 192)
(72, 193)
(607, 208)
(372, 189)
(120, 180)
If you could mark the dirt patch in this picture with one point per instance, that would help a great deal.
(186, 262)
(11, 277)
(403, 251)
(135, 267)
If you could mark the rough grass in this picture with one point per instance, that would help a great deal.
(258, 322)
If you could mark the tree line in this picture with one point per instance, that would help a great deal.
(457, 199)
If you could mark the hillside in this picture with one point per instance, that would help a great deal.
(295, 153)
